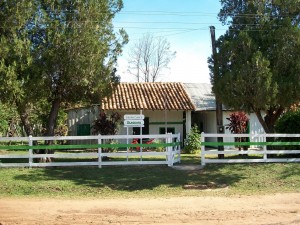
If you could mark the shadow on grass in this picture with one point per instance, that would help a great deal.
(129, 178)
(90, 180)
(290, 170)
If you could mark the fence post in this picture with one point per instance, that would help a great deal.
(99, 151)
(202, 149)
(30, 151)
(265, 149)
(179, 148)
(170, 148)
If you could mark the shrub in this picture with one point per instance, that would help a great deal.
(192, 144)
(238, 125)
(106, 125)
(113, 149)
(159, 149)
(289, 123)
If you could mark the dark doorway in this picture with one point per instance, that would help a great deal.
(145, 129)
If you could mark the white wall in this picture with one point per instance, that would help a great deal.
(256, 127)
(157, 119)
(208, 118)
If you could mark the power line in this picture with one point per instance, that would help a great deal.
(166, 13)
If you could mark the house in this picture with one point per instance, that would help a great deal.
(166, 107)
(204, 115)
(170, 106)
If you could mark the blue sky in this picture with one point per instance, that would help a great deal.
(184, 23)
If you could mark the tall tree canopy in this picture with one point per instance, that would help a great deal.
(149, 57)
(16, 55)
(72, 51)
(258, 58)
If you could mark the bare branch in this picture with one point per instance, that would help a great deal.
(149, 57)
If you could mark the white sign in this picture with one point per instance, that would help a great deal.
(134, 117)
(133, 123)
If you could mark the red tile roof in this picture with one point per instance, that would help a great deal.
(148, 96)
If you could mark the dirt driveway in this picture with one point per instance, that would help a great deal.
(276, 209)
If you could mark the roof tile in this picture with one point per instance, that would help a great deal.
(148, 96)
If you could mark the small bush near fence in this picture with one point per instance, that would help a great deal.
(289, 123)
(192, 143)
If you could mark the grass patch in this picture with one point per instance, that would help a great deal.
(145, 181)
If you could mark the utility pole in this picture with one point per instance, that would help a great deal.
(219, 112)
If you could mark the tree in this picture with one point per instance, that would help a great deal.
(258, 58)
(15, 56)
(149, 57)
(8, 117)
(61, 52)
(77, 49)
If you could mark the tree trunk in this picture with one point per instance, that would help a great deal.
(262, 121)
(271, 118)
(50, 129)
(24, 116)
(268, 123)
(52, 117)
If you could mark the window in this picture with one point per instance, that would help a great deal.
(162, 130)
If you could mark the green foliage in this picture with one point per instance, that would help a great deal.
(257, 57)
(289, 123)
(8, 115)
(50, 56)
(192, 143)
(159, 149)
(113, 149)
(15, 56)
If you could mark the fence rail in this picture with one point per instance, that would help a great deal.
(256, 147)
(124, 152)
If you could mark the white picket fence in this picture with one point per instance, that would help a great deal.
(257, 147)
(125, 153)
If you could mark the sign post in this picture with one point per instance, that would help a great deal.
(133, 120)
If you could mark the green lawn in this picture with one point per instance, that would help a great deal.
(145, 181)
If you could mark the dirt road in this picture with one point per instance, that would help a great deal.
(279, 209)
